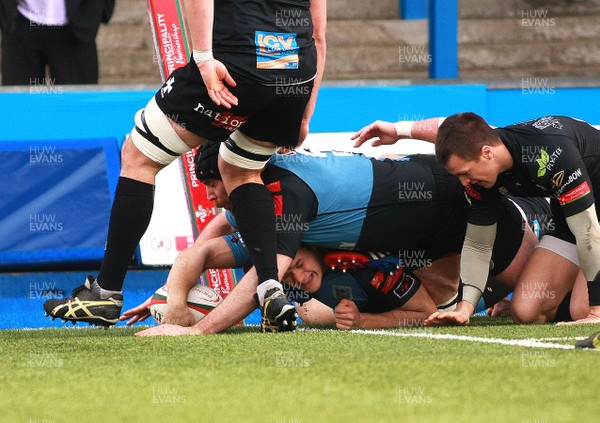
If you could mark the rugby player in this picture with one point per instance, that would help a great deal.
(190, 263)
(251, 84)
(551, 156)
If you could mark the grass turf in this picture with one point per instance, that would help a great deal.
(95, 375)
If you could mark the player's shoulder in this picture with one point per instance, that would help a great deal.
(552, 124)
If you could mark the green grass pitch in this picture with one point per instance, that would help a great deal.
(95, 375)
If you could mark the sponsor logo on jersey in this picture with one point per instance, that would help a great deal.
(385, 282)
(547, 121)
(341, 292)
(275, 189)
(405, 286)
(572, 177)
(276, 50)
(377, 280)
(225, 120)
(391, 280)
(576, 193)
(167, 87)
(557, 179)
(547, 161)
(472, 192)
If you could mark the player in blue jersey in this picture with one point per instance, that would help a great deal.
(552, 156)
(250, 84)
(509, 261)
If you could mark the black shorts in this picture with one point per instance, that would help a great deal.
(511, 228)
(265, 113)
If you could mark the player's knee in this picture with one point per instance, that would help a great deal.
(135, 165)
(243, 153)
(155, 137)
(529, 313)
(579, 310)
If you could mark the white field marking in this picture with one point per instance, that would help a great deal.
(528, 343)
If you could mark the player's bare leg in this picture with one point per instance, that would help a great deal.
(99, 300)
(544, 283)
(441, 278)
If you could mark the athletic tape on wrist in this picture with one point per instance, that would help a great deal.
(202, 56)
(471, 293)
(404, 128)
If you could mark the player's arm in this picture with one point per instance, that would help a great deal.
(314, 312)
(584, 226)
(240, 302)
(474, 268)
(187, 268)
(200, 17)
(217, 227)
(185, 273)
(388, 132)
(576, 199)
(412, 313)
(318, 11)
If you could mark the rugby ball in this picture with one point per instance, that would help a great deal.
(201, 300)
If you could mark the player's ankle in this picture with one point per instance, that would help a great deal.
(267, 285)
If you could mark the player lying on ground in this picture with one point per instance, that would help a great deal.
(190, 263)
(553, 157)
(229, 92)
(366, 297)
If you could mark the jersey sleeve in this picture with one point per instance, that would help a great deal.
(390, 290)
(238, 249)
(555, 147)
(231, 219)
(570, 181)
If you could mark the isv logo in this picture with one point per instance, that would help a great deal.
(276, 50)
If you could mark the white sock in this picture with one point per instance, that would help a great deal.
(262, 289)
(101, 292)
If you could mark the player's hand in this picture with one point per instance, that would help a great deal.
(501, 309)
(383, 132)
(215, 76)
(461, 316)
(347, 315)
(137, 314)
(168, 330)
(592, 317)
(447, 318)
(181, 316)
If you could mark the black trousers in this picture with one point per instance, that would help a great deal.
(46, 55)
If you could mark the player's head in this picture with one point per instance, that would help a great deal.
(207, 172)
(307, 269)
(465, 147)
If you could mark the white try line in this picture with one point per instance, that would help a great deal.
(528, 343)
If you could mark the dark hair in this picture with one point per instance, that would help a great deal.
(207, 161)
(463, 135)
(320, 252)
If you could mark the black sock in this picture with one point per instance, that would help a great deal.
(129, 219)
(252, 206)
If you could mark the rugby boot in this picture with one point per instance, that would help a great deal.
(85, 305)
(278, 314)
(592, 341)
